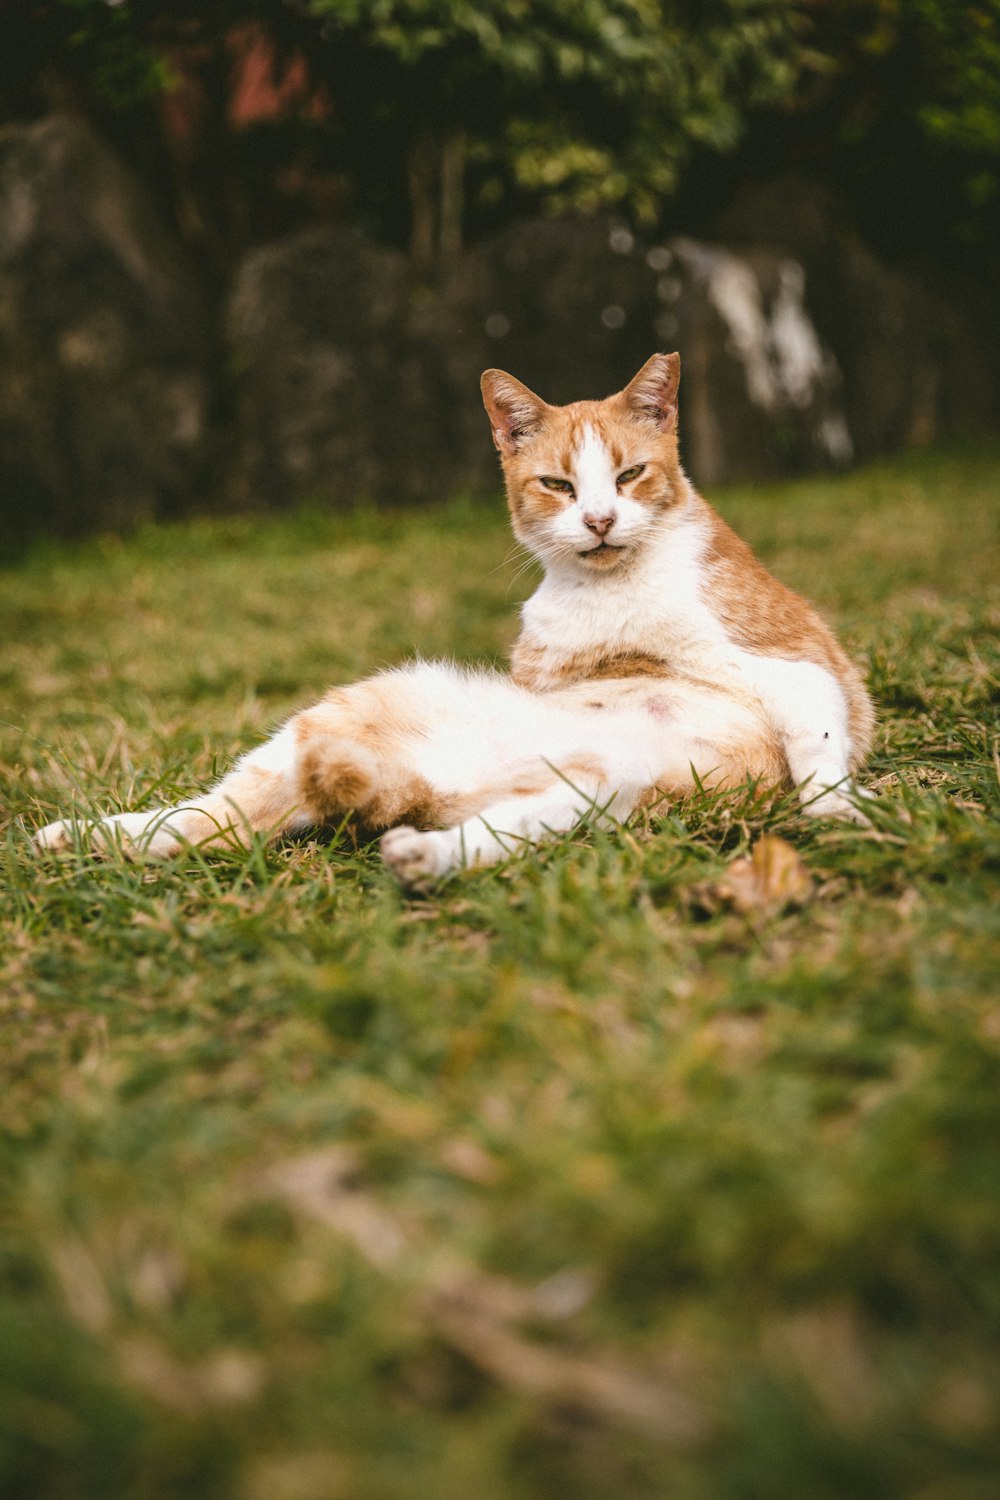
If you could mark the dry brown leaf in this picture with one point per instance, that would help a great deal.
(960, 1404)
(827, 1347)
(229, 1377)
(82, 1284)
(320, 1475)
(770, 880)
(324, 1185)
(467, 1158)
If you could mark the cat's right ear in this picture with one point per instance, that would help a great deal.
(514, 411)
(652, 394)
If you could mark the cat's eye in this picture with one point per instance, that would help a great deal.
(551, 483)
(630, 474)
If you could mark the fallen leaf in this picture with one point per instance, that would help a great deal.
(467, 1158)
(326, 1186)
(769, 880)
(297, 1476)
(598, 1382)
(229, 1377)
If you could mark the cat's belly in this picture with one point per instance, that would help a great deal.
(484, 729)
(673, 701)
(789, 695)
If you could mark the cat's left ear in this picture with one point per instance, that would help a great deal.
(652, 394)
(514, 411)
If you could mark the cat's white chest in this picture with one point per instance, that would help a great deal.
(654, 608)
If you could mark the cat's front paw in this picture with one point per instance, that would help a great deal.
(842, 804)
(418, 860)
(54, 836)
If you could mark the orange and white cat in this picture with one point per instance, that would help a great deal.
(657, 653)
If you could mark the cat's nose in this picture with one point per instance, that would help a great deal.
(599, 524)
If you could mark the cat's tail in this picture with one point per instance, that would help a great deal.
(337, 776)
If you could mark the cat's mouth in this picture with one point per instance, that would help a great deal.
(602, 552)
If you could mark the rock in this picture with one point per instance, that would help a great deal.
(553, 303)
(104, 389)
(761, 393)
(355, 381)
(343, 386)
(914, 369)
(574, 309)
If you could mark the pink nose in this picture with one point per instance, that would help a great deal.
(599, 525)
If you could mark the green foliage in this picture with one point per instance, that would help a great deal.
(108, 45)
(427, 119)
(561, 1182)
(582, 102)
(567, 103)
(914, 85)
(957, 50)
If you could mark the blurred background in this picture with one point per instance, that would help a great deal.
(256, 254)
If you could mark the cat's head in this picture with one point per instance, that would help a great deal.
(588, 484)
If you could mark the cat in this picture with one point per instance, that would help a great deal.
(657, 654)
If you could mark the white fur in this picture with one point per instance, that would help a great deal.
(479, 729)
(481, 721)
(151, 833)
(806, 705)
(161, 832)
(567, 534)
(654, 595)
(596, 489)
(276, 754)
(656, 603)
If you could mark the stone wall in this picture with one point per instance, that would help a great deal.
(104, 385)
(353, 380)
(344, 378)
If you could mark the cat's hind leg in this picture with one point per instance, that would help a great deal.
(577, 792)
(347, 754)
(258, 796)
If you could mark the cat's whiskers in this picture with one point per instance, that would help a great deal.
(525, 567)
(525, 558)
(517, 550)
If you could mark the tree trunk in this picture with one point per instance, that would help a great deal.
(452, 195)
(423, 216)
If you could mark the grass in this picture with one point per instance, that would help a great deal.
(567, 1181)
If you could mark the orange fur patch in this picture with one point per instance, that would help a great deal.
(336, 776)
(763, 615)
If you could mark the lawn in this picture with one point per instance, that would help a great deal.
(572, 1180)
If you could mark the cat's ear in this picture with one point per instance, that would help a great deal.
(652, 394)
(514, 411)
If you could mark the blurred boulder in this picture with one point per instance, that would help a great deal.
(343, 385)
(103, 381)
(761, 393)
(574, 309)
(352, 379)
(915, 369)
(565, 306)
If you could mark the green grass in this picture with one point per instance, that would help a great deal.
(565, 1182)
